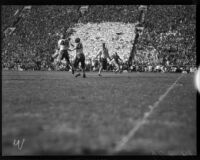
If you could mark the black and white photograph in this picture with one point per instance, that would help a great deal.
(99, 80)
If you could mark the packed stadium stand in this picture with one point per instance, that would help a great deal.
(30, 34)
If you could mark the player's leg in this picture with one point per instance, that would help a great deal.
(73, 65)
(66, 57)
(61, 55)
(59, 58)
(68, 62)
(72, 68)
(82, 60)
(57, 63)
(76, 62)
(112, 62)
(117, 66)
(120, 68)
(104, 63)
(100, 66)
(130, 61)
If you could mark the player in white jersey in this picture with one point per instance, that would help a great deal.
(62, 52)
(102, 56)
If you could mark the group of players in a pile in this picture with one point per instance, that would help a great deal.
(65, 45)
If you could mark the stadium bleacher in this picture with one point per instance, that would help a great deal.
(30, 32)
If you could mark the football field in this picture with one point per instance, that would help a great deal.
(54, 113)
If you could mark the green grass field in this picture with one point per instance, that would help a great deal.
(128, 113)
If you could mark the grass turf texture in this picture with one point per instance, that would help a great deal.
(57, 113)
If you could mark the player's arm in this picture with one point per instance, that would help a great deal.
(72, 48)
(121, 60)
(71, 44)
(98, 54)
(111, 59)
(78, 46)
(59, 45)
(55, 54)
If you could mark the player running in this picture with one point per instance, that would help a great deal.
(115, 60)
(80, 57)
(102, 56)
(62, 51)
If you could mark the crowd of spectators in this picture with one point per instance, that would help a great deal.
(144, 66)
(170, 29)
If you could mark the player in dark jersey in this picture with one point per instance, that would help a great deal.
(115, 60)
(80, 57)
(102, 57)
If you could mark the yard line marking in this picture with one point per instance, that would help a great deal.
(132, 132)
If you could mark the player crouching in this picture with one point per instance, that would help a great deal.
(102, 56)
(115, 61)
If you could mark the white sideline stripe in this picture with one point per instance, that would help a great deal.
(132, 132)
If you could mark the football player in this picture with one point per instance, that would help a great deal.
(80, 57)
(62, 52)
(102, 56)
(115, 60)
